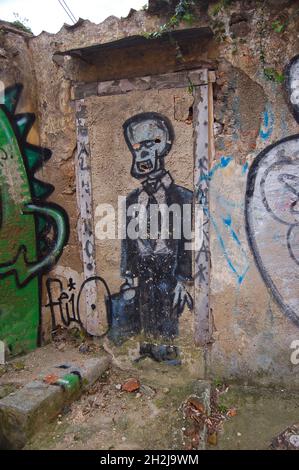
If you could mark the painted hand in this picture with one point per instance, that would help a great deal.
(129, 279)
(182, 297)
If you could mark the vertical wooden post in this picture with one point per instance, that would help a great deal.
(201, 194)
(85, 222)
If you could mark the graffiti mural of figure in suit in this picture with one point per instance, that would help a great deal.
(161, 267)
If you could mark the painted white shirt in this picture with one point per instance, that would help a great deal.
(144, 246)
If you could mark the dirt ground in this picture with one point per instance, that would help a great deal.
(261, 414)
(106, 417)
(150, 418)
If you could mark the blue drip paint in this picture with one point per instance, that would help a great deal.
(235, 237)
(244, 168)
(227, 222)
(231, 230)
(268, 121)
(224, 162)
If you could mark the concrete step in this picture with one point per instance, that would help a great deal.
(24, 412)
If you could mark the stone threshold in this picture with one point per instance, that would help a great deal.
(26, 411)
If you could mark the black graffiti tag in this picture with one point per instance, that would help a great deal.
(64, 303)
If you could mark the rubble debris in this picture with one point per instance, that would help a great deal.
(19, 365)
(196, 403)
(197, 418)
(50, 379)
(166, 353)
(131, 385)
(84, 348)
(287, 440)
(212, 439)
(147, 390)
(231, 412)
(194, 414)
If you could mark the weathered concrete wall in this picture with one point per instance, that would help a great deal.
(252, 333)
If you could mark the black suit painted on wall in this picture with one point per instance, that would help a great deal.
(159, 273)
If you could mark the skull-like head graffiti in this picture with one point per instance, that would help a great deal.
(149, 137)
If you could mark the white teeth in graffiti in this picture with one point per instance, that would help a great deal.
(145, 166)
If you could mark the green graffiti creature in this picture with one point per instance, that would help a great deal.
(32, 232)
